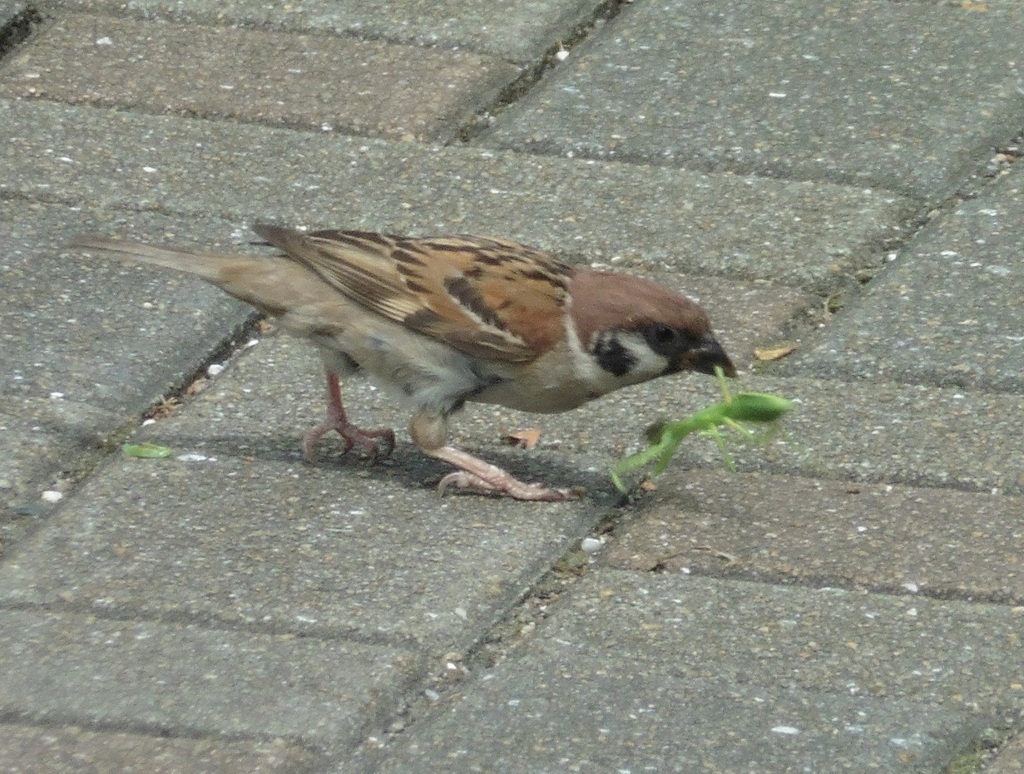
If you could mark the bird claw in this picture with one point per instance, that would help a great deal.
(370, 441)
(507, 485)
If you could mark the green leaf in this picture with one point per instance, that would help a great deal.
(145, 451)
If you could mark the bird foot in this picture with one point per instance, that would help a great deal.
(482, 477)
(506, 485)
(370, 441)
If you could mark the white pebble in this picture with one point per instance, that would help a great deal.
(52, 496)
(214, 368)
(591, 545)
(193, 458)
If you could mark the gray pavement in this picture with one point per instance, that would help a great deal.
(842, 177)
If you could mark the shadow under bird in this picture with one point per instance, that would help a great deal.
(446, 320)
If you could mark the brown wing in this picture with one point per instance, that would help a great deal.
(486, 297)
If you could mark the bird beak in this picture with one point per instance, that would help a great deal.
(710, 354)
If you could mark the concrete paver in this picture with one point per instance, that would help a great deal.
(867, 93)
(68, 667)
(874, 432)
(70, 749)
(260, 538)
(9, 11)
(789, 676)
(947, 310)
(313, 82)
(1010, 759)
(652, 219)
(848, 600)
(45, 445)
(517, 32)
(605, 715)
(938, 542)
(74, 327)
(86, 347)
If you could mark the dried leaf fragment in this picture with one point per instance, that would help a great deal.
(523, 439)
(775, 353)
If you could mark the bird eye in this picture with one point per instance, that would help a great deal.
(662, 339)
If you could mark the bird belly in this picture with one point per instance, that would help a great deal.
(428, 374)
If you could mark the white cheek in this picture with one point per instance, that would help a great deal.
(648, 363)
(584, 364)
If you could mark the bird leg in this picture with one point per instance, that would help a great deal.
(352, 435)
(479, 476)
(429, 430)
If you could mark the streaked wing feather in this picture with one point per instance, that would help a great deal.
(464, 290)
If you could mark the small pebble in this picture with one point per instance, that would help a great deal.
(193, 458)
(591, 545)
(52, 496)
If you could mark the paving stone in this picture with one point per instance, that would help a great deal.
(45, 446)
(518, 32)
(66, 326)
(78, 358)
(938, 542)
(826, 640)
(858, 431)
(947, 310)
(1010, 759)
(662, 219)
(314, 82)
(246, 533)
(654, 671)
(597, 715)
(74, 749)
(9, 11)
(70, 668)
(866, 93)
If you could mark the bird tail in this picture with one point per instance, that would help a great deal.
(204, 264)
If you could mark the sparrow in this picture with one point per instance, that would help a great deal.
(454, 319)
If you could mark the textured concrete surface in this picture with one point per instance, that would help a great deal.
(71, 749)
(88, 345)
(845, 179)
(101, 332)
(779, 528)
(9, 11)
(322, 83)
(650, 219)
(130, 674)
(867, 93)
(790, 677)
(518, 32)
(1010, 760)
(861, 431)
(947, 309)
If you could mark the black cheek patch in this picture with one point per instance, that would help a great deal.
(613, 357)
